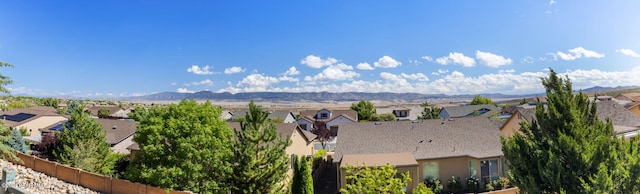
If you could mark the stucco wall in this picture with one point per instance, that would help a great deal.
(41, 122)
(511, 126)
(338, 120)
(635, 110)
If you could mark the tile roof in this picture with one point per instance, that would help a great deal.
(311, 114)
(394, 159)
(463, 111)
(428, 139)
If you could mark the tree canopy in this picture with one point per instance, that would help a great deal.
(260, 163)
(481, 100)
(302, 182)
(382, 179)
(4, 80)
(567, 149)
(430, 112)
(365, 109)
(184, 146)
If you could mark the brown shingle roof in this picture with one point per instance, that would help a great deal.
(38, 111)
(429, 139)
(284, 129)
(117, 130)
(94, 109)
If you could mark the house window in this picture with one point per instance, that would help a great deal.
(324, 115)
(489, 169)
(473, 170)
(303, 126)
(430, 171)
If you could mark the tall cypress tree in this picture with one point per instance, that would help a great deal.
(260, 160)
(568, 149)
(306, 181)
(297, 176)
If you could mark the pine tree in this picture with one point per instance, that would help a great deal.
(306, 181)
(568, 149)
(297, 176)
(184, 146)
(260, 160)
(80, 131)
(16, 141)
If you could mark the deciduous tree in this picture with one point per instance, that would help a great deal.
(365, 109)
(383, 179)
(481, 100)
(104, 113)
(430, 112)
(184, 146)
(260, 163)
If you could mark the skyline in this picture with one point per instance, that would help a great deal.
(123, 48)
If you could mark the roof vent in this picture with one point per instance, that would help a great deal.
(377, 123)
(415, 121)
(452, 119)
(114, 127)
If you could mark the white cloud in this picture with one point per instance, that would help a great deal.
(440, 71)
(173, 83)
(428, 58)
(317, 62)
(333, 73)
(386, 62)
(364, 66)
(415, 76)
(258, 82)
(628, 52)
(577, 53)
(492, 60)
(528, 60)
(291, 71)
(456, 58)
(207, 82)
(551, 2)
(184, 90)
(200, 70)
(507, 71)
(235, 69)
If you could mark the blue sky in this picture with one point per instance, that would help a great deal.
(129, 48)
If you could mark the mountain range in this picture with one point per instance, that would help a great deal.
(328, 96)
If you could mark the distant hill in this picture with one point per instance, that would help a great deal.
(308, 96)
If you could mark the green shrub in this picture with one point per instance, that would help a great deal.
(454, 184)
(473, 185)
(433, 184)
(422, 189)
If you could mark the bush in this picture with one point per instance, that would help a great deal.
(433, 184)
(501, 183)
(454, 184)
(317, 159)
(422, 189)
(473, 185)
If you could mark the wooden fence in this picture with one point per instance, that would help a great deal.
(89, 180)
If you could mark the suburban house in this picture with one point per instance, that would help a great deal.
(286, 116)
(332, 118)
(625, 123)
(402, 113)
(634, 108)
(468, 110)
(226, 115)
(632, 96)
(33, 119)
(427, 149)
(119, 133)
(114, 111)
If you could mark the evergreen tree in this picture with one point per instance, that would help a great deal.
(84, 132)
(481, 100)
(306, 181)
(184, 146)
(16, 141)
(296, 180)
(104, 113)
(567, 149)
(260, 160)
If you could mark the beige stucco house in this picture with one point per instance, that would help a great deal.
(33, 119)
(429, 149)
